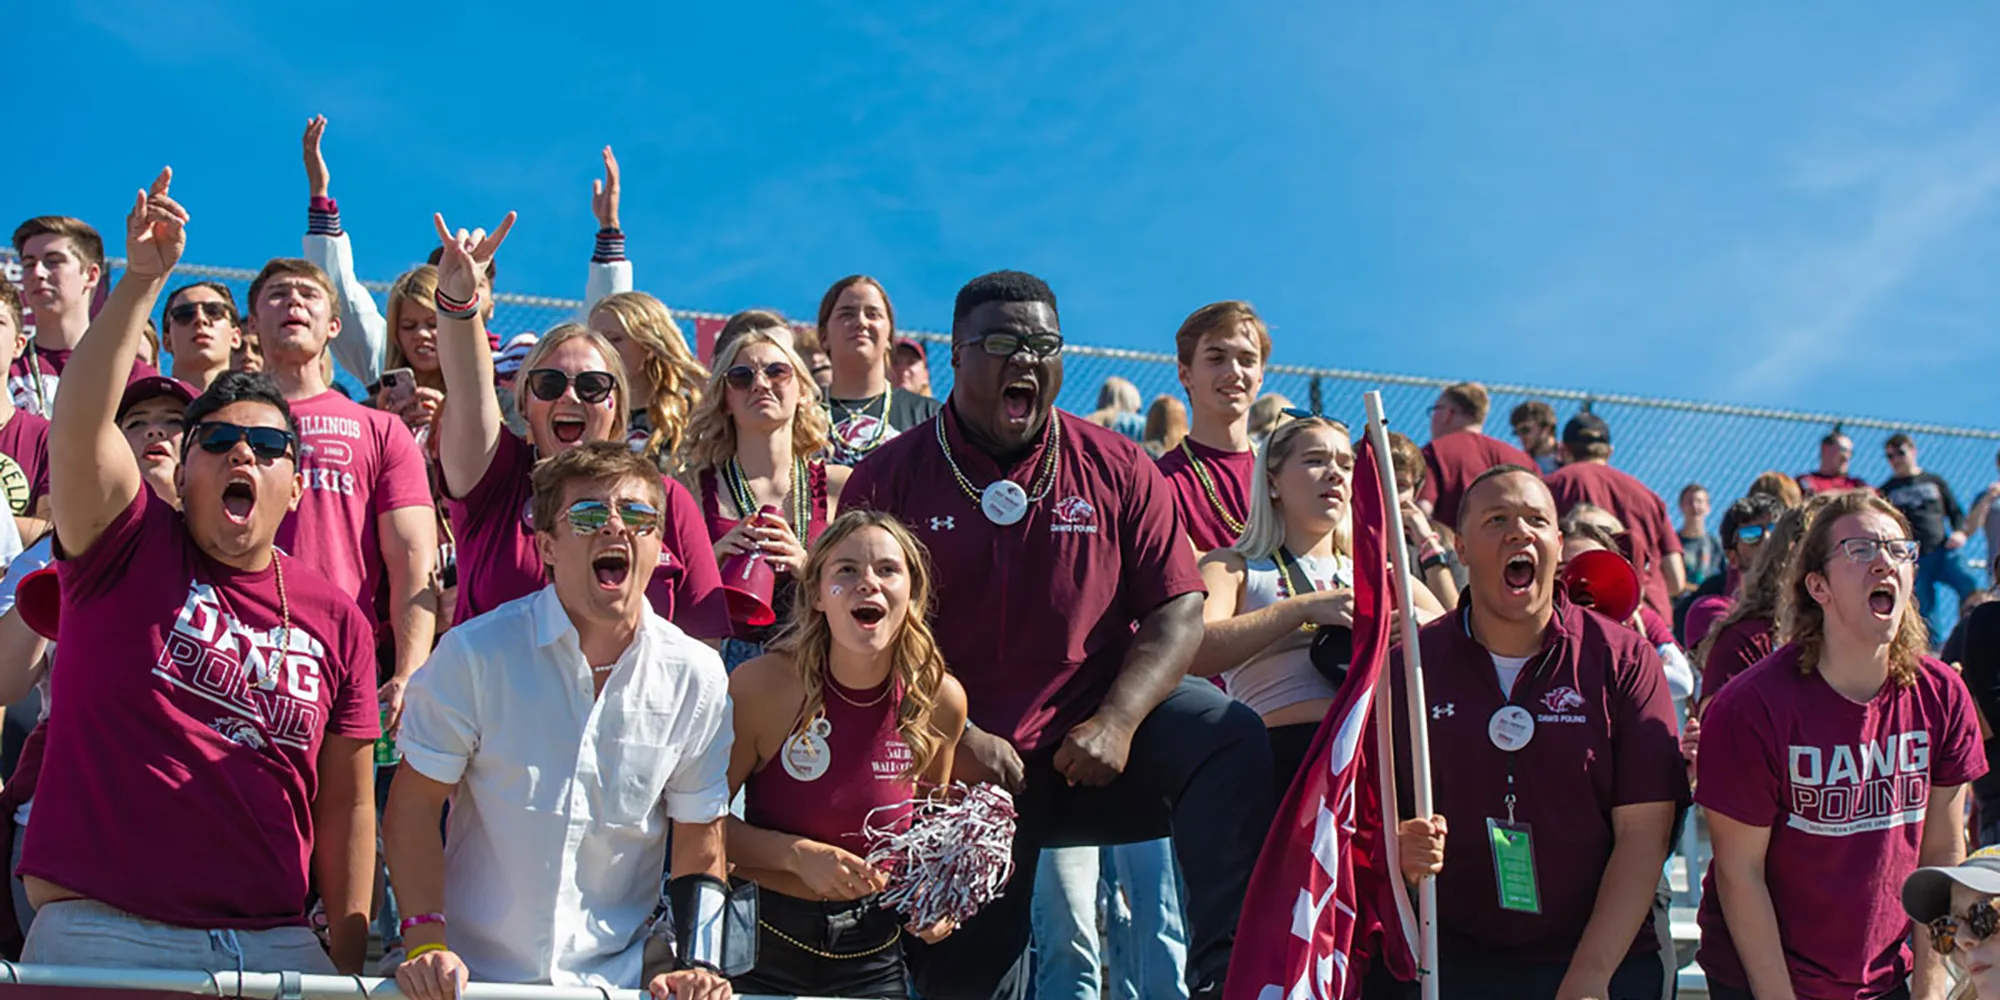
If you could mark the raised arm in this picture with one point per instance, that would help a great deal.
(469, 424)
(610, 272)
(93, 476)
(364, 333)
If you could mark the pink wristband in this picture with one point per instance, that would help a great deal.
(421, 919)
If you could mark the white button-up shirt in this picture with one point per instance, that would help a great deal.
(558, 833)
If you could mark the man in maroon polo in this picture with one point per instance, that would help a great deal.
(1069, 606)
(1459, 450)
(1555, 768)
(1222, 348)
(1836, 452)
(1587, 477)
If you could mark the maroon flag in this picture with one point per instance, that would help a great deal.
(1326, 898)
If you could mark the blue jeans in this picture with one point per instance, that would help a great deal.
(1147, 937)
(1942, 566)
(1064, 915)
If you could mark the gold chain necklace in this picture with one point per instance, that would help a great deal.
(809, 949)
(881, 423)
(834, 686)
(1208, 486)
(1047, 474)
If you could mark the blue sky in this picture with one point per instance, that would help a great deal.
(1786, 207)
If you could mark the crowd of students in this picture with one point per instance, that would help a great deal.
(506, 568)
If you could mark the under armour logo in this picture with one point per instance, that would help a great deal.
(944, 523)
(1440, 711)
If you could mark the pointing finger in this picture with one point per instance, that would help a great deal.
(161, 182)
(500, 232)
(444, 234)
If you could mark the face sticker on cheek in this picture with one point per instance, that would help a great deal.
(838, 590)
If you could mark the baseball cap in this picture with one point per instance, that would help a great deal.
(508, 361)
(1927, 892)
(906, 343)
(39, 598)
(1586, 428)
(140, 390)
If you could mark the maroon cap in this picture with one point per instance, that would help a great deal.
(140, 390)
(39, 598)
(914, 345)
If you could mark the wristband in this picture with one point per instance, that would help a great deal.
(450, 309)
(1435, 561)
(1429, 550)
(423, 949)
(419, 920)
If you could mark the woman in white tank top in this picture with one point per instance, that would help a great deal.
(1289, 575)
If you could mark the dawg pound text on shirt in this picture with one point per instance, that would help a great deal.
(258, 694)
(1858, 789)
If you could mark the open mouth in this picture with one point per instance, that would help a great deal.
(567, 430)
(868, 616)
(1882, 600)
(164, 452)
(1519, 573)
(611, 569)
(1017, 399)
(239, 498)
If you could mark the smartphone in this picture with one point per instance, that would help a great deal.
(399, 386)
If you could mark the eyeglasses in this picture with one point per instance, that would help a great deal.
(267, 443)
(1751, 534)
(1896, 452)
(1038, 345)
(743, 377)
(185, 312)
(588, 517)
(1864, 550)
(549, 384)
(1979, 923)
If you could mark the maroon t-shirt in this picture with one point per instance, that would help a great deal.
(1737, 648)
(1605, 736)
(1229, 472)
(1813, 482)
(1843, 788)
(358, 464)
(1453, 461)
(1641, 510)
(498, 563)
(35, 375)
(25, 440)
(831, 800)
(182, 758)
(1035, 617)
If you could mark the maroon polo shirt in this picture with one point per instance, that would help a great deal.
(1229, 472)
(1035, 618)
(1641, 510)
(1813, 482)
(1453, 461)
(1737, 648)
(1605, 736)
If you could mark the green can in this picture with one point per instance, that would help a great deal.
(386, 754)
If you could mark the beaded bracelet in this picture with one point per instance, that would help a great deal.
(423, 949)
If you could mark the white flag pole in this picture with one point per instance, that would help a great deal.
(1413, 677)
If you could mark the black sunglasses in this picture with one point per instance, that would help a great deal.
(1006, 345)
(549, 384)
(1979, 923)
(742, 377)
(267, 443)
(185, 312)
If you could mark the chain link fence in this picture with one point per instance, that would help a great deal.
(1666, 443)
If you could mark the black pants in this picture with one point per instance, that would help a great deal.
(1289, 746)
(1486, 977)
(1200, 771)
(788, 926)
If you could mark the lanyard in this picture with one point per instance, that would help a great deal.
(1512, 726)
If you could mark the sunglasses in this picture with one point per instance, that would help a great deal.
(1864, 550)
(1979, 923)
(186, 312)
(588, 517)
(1751, 534)
(1038, 345)
(267, 443)
(743, 377)
(549, 384)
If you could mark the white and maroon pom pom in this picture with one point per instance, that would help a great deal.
(949, 856)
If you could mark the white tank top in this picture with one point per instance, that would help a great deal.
(1283, 674)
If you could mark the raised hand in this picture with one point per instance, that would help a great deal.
(604, 193)
(155, 231)
(316, 176)
(462, 266)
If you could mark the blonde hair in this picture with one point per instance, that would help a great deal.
(1802, 621)
(710, 440)
(1264, 529)
(419, 285)
(917, 667)
(592, 461)
(1166, 423)
(676, 377)
(563, 333)
(1267, 413)
(1470, 398)
(1777, 484)
(1223, 318)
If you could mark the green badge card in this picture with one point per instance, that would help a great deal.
(1514, 865)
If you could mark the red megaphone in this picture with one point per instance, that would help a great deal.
(747, 582)
(39, 598)
(1604, 582)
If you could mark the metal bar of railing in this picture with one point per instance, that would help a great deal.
(290, 985)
